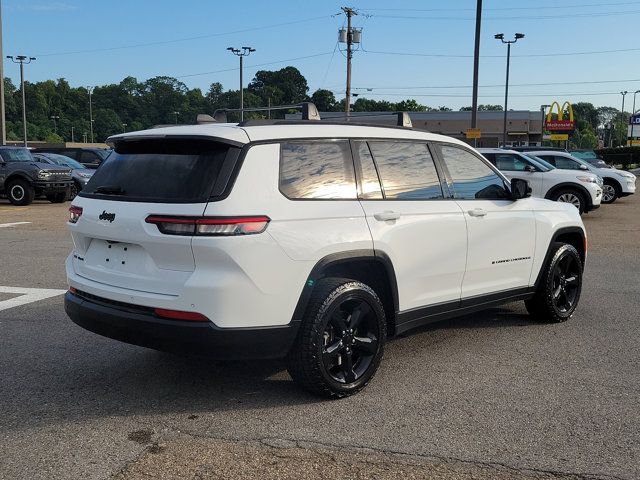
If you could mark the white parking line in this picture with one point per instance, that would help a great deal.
(12, 224)
(27, 295)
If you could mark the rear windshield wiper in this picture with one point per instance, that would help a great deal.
(109, 190)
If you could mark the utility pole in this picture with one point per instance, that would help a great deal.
(3, 125)
(246, 51)
(476, 66)
(624, 94)
(500, 36)
(90, 90)
(349, 12)
(22, 60)
(72, 135)
(55, 124)
(633, 112)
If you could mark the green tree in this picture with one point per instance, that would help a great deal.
(324, 100)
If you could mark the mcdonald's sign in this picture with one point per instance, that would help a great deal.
(560, 125)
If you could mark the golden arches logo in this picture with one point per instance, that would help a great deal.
(560, 125)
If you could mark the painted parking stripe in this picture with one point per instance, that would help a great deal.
(27, 295)
(12, 224)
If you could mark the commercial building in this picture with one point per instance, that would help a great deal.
(524, 127)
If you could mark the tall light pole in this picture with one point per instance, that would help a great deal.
(500, 36)
(246, 51)
(176, 115)
(633, 112)
(22, 60)
(476, 66)
(55, 123)
(90, 90)
(3, 126)
(624, 94)
(124, 127)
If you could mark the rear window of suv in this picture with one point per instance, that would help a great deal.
(164, 171)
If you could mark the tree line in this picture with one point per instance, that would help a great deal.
(136, 105)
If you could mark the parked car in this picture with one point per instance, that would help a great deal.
(308, 241)
(89, 157)
(616, 183)
(529, 148)
(590, 157)
(22, 177)
(583, 190)
(79, 173)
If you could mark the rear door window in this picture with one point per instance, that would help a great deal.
(406, 169)
(320, 170)
(164, 171)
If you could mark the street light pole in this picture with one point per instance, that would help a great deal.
(246, 51)
(176, 115)
(3, 126)
(476, 65)
(624, 94)
(500, 36)
(55, 124)
(72, 135)
(22, 60)
(633, 112)
(90, 90)
(124, 127)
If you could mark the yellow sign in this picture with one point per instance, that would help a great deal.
(560, 111)
(559, 136)
(560, 124)
(474, 133)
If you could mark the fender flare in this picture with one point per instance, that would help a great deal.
(554, 237)
(322, 265)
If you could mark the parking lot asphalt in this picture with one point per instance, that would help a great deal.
(488, 396)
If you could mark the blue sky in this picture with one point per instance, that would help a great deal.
(197, 33)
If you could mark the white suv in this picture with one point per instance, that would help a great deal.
(309, 241)
(617, 183)
(582, 189)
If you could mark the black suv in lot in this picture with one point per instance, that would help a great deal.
(22, 177)
(89, 157)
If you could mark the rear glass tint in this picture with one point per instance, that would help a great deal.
(165, 171)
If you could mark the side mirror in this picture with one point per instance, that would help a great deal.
(583, 167)
(520, 189)
(529, 168)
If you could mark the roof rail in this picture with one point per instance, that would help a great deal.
(402, 118)
(307, 109)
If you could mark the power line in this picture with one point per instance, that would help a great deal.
(587, 82)
(528, 17)
(253, 66)
(537, 7)
(527, 55)
(185, 39)
(457, 95)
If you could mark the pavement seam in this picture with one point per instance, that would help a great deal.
(309, 444)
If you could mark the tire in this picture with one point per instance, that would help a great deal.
(341, 339)
(571, 196)
(59, 197)
(610, 191)
(73, 192)
(20, 192)
(558, 293)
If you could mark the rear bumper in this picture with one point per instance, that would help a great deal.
(139, 326)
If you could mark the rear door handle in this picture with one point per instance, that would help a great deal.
(388, 215)
(477, 212)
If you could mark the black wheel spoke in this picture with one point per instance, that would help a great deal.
(347, 367)
(557, 292)
(338, 322)
(333, 350)
(359, 312)
(367, 345)
(573, 280)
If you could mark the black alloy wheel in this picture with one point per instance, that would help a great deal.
(341, 339)
(560, 285)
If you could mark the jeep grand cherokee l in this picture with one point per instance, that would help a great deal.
(308, 241)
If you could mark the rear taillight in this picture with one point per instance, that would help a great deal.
(209, 226)
(180, 315)
(74, 214)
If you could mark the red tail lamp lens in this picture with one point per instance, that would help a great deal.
(74, 214)
(179, 315)
(209, 226)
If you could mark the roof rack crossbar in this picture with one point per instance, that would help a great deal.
(307, 109)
